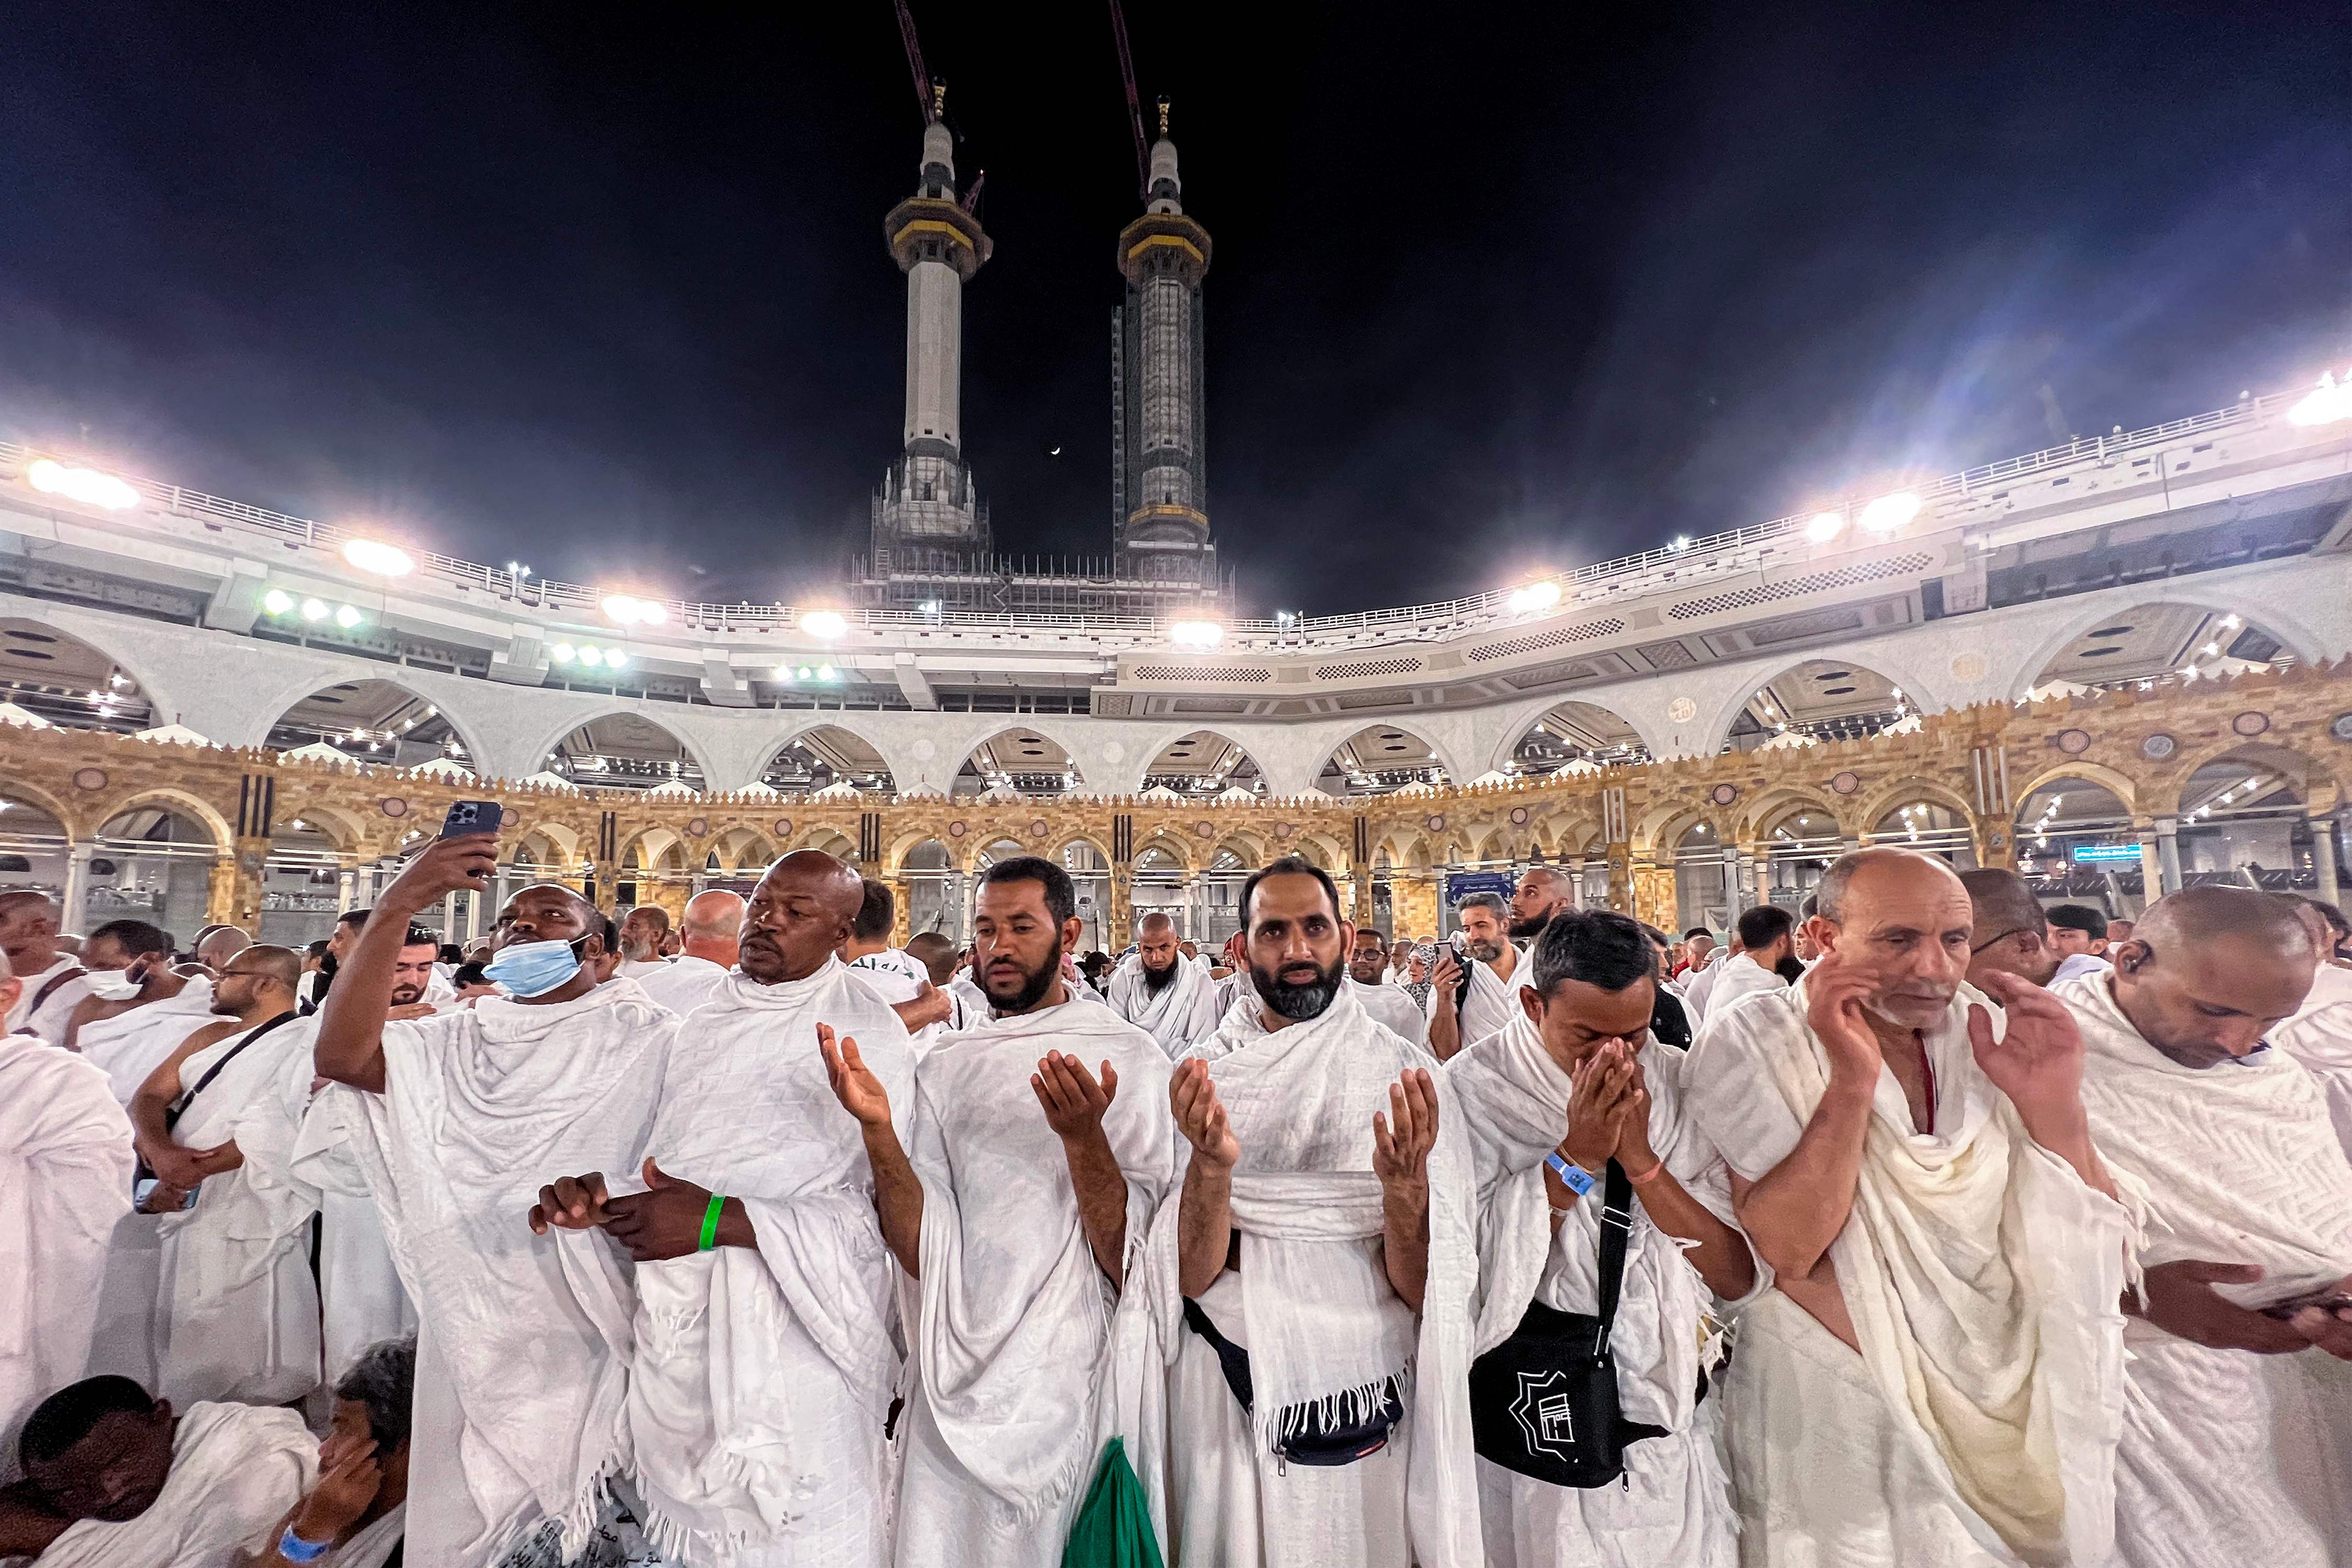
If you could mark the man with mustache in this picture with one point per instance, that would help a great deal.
(1319, 1259)
(1936, 1376)
(52, 976)
(1458, 1017)
(1542, 893)
(1161, 992)
(1040, 1147)
(1367, 964)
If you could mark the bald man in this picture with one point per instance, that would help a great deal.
(778, 1324)
(1542, 893)
(2008, 933)
(707, 937)
(2249, 1263)
(49, 978)
(1160, 992)
(523, 1347)
(218, 945)
(1936, 1376)
(236, 1312)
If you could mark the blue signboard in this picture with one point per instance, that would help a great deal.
(1460, 885)
(2096, 852)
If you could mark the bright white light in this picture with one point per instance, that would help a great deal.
(1890, 512)
(561, 653)
(2231, 622)
(312, 610)
(1533, 597)
(2212, 648)
(278, 601)
(347, 617)
(1679, 542)
(376, 556)
(825, 672)
(631, 611)
(1825, 526)
(592, 656)
(85, 485)
(783, 672)
(615, 660)
(827, 625)
(2329, 403)
(1196, 634)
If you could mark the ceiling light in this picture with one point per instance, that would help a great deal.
(826, 672)
(374, 555)
(1889, 512)
(312, 610)
(1825, 526)
(85, 485)
(783, 672)
(825, 624)
(561, 653)
(1196, 634)
(591, 656)
(2231, 623)
(277, 602)
(615, 660)
(1533, 597)
(2329, 403)
(347, 617)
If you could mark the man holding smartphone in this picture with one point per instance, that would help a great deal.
(1463, 1015)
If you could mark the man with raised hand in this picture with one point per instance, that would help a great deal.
(763, 1368)
(1367, 964)
(708, 935)
(1311, 1278)
(522, 1361)
(1458, 1017)
(2249, 1261)
(51, 978)
(1937, 1377)
(1026, 1188)
(1160, 992)
(236, 1312)
(1585, 1153)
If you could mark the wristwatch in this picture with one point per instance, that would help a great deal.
(1575, 1178)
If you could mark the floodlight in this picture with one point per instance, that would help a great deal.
(85, 485)
(1889, 512)
(376, 556)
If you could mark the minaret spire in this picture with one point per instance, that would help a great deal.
(1161, 523)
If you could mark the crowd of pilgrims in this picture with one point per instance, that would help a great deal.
(1923, 1226)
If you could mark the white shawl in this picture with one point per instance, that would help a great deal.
(65, 1183)
(2240, 1161)
(1324, 1327)
(1015, 1315)
(235, 1469)
(1982, 1277)
(2320, 1036)
(1491, 1004)
(726, 1401)
(1388, 1005)
(1182, 1012)
(480, 1108)
(130, 1045)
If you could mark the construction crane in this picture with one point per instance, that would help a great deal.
(1127, 76)
(926, 95)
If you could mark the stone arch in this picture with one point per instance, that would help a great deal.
(2123, 786)
(1903, 792)
(33, 794)
(293, 693)
(180, 803)
(1580, 725)
(1172, 845)
(1088, 839)
(2201, 593)
(1820, 688)
(1770, 809)
(2311, 777)
(834, 840)
(337, 822)
(28, 653)
(651, 843)
(1204, 753)
(1369, 744)
(739, 847)
(862, 757)
(1663, 825)
(1331, 853)
(1022, 751)
(616, 708)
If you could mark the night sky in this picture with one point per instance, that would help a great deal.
(604, 288)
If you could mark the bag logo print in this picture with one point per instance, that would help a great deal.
(1543, 1412)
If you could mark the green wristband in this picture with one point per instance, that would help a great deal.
(711, 1221)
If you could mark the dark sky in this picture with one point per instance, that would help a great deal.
(606, 289)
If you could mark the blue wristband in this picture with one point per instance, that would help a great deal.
(294, 1549)
(1575, 1178)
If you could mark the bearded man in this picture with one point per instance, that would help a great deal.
(1014, 1210)
(1311, 1278)
(1459, 1016)
(1162, 993)
(1542, 893)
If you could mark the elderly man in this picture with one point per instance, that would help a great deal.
(1573, 1115)
(50, 977)
(643, 930)
(2250, 1259)
(764, 1370)
(1014, 1212)
(1937, 1376)
(2007, 932)
(1161, 992)
(464, 1116)
(1322, 1240)
(1759, 963)
(1367, 964)
(65, 1185)
(1542, 893)
(237, 1312)
(1459, 1016)
(707, 937)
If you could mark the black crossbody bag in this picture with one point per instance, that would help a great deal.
(179, 1107)
(1543, 1404)
(1313, 1443)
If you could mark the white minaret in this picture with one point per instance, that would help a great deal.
(1160, 500)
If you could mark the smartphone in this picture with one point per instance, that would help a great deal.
(472, 816)
(140, 1189)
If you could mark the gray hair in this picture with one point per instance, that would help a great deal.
(383, 1378)
(1484, 901)
(1830, 895)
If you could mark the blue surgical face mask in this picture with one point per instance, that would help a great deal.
(533, 968)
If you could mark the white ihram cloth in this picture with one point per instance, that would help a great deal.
(1674, 1503)
(47, 1020)
(1983, 1278)
(976, 1009)
(361, 1297)
(1492, 1002)
(1021, 1369)
(130, 1045)
(762, 1378)
(1389, 1007)
(1313, 1306)
(2320, 1035)
(896, 977)
(1179, 1012)
(522, 1355)
(1698, 984)
(65, 1185)
(1737, 979)
(236, 1470)
(2226, 1455)
(684, 983)
(237, 1312)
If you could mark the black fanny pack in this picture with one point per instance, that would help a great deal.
(1311, 1441)
(1543, 1404)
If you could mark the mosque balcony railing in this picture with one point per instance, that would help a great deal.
(1753, 547)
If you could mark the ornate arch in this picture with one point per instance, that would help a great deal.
(2123, 786)
(180, 803)
(2321, 790)
(33, 795)
(1905, 790)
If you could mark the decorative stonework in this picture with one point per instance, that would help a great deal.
(1682, 710)
(2158, 746)
(89, 778)
(393, 806)
(1969, 667)
(2250, 723)
(2073, 742)
(1846, 782)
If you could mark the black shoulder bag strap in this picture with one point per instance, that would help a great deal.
(74, 973)
(1616, 1224)
(179, 1107)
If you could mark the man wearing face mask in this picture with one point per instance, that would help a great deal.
(1322, 1240)
(462, 1118)
(1936, 1375)
(764, 1286)
(137, 1007)
(1040, 1147)
(2249, 1263)
(1458, 1017)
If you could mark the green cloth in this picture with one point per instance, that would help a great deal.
(1114, 1529)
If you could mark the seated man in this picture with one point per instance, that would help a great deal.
(114, 1479)
(357, 1512)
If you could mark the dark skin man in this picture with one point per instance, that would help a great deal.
(254, 987)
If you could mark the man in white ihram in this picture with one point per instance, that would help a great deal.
(1323, 1230)
(2226, 1454)
(1160, 992)
(521, 1359)
(1026, 1190)
(51, 979)
(1367, 964)
(1936, 1379)
(1456, 1017)
(764, 1369)
(708, 933)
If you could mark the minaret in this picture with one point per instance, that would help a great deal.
(1161, 520)
(928, 515)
